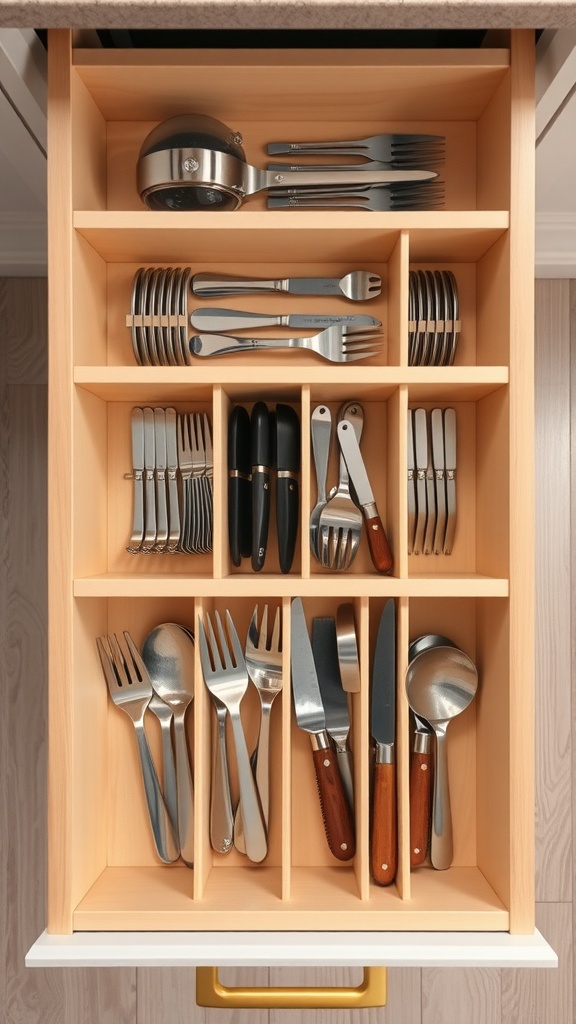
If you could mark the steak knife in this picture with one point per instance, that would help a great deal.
(311, 718)
(334, 698)
(377, 541)
(239, 489)
(222, 320)
(287, 462)
(420, 791)
(383, 854)
(261, 462)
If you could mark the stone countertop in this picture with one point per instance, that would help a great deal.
(301, 14)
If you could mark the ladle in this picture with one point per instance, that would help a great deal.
(192, 168)
(169, 657)
(440, 684)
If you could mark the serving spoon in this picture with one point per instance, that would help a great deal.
(168, 654)
(440, 684)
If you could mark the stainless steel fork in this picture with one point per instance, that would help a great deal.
(130, 689)
(226, 677)
(338, 344)
(340, 526)
(264, 664)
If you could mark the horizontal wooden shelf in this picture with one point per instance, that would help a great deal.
(252, 585)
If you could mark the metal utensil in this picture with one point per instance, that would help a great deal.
(377, 541)
(311, 718)
(388, 147)
(163, 712)
(168, 654)
(440, 684)
(222, 320)
(130, 689)
(378, 199)
(264, 664)
(334, 698)
(321, 433)
(226, 678)
(337, 344)
(347, 646)
(384, 853)
(358, 285)
(137, 429)
(340, 525)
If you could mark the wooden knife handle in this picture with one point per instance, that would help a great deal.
(420, 807)
(384, 837)
(378, 544)
(336, 813)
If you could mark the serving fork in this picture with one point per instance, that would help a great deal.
(226, 678)
(340, 525)
(264, 664)
(131, 690)
(338, 344)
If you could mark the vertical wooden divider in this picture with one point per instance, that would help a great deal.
(220, 414)
(305, 480)
(286, 761)
(362, 753)
(403, 749)
(202, 761)
(398, 302)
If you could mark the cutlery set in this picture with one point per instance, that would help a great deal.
(432, 512)
(263, 449)
(159, 317)
(172, 473)
(433, 311)
(336, 520)
(161, 680)
(194, 162)
(441, 681)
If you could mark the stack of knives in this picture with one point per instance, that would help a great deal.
(263, 446)
(431, 481)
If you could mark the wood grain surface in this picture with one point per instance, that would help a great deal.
(126, 996)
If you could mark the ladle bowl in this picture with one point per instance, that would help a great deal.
(440, 684)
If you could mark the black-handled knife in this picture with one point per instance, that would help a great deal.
(287, 462)
(261, 462)
(239, 488)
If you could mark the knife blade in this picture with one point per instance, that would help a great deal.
(230, 284)
(421, 451)
(311, 718)
(287, 462)
(437, 426)
(411, 485)
(334, 699)
(239, 485)
(420, 791)
(160, 476)
(430, 498)
(172, 471)
(137, 429)
(450, 469)
(377, 541)
(383, 854)
(261, 462)
(149, 466)
(219, 320)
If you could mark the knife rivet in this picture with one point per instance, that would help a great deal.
(326, 762)
(343, 846)
(384, 867)
(265, 487)
(416, 849)
(291, 487)
(424, 767)
(279, 177)
(374, 526)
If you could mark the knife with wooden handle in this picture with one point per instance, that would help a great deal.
(310, 715)
(384, 843)
(377, 540)
(420, 792)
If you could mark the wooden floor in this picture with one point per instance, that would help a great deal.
(151, 996)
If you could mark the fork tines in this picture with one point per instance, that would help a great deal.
(175, 512)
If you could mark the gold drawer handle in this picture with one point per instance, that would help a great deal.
(211, 992)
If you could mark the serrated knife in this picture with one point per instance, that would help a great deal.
(383, 853)
(311, 718)
(220, 320)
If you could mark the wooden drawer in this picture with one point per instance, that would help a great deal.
(103, 872)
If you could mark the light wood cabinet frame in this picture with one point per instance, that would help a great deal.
(102, 872)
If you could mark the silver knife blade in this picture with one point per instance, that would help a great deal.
(137, 425)
(218, 320)
(421, 449)
(355, 463)
(383, 717)
(450, 468)
(437, 425)
(149, 465)
(172, 474)
(160, 473)
(305, 688)
(325, 651)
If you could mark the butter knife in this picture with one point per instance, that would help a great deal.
(377, 540)
(437, 425)
(137, 536)
(421, 450)
(160, 478)
(149, 467)
(219, 320)
(450, 469)
(172, 476)
(411, 485)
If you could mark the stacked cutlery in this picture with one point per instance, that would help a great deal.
(172, 470)
(432, 512)
(434, 326)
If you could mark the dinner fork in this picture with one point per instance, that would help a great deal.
(340, 525)
(386, 147)
(264, 664)
(339, 343)
(130, 689)
(226, 677)
(377, 199)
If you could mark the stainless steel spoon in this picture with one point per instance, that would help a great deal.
(168, 654)
(440, 684)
